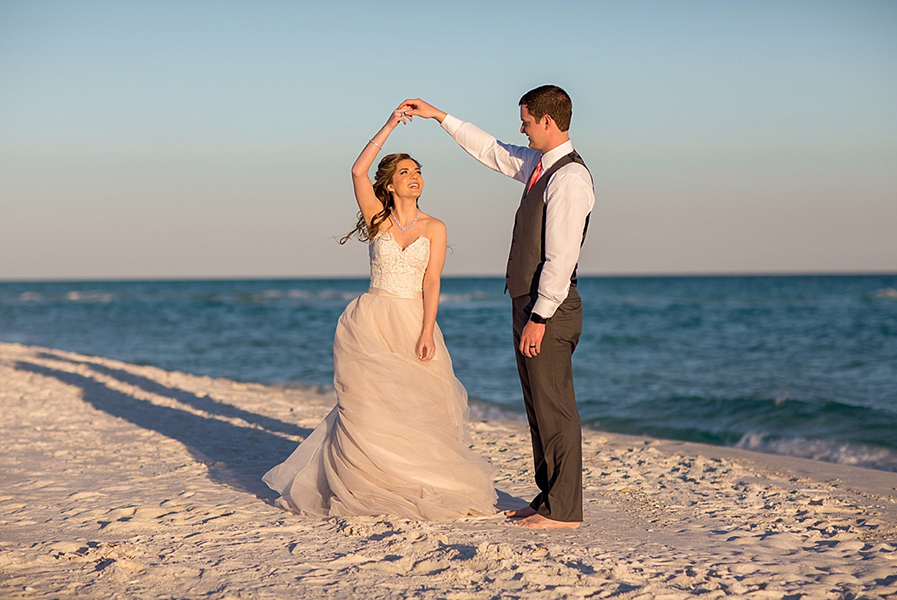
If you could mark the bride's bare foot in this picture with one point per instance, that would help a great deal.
(521, 513)
(540, 522)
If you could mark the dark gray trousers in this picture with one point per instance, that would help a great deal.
(547, 382)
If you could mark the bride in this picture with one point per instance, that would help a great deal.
(396, 441)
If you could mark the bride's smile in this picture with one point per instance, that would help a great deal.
(408, 180)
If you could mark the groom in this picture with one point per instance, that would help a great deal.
(549, 228)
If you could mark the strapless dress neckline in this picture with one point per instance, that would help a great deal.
(388, 236)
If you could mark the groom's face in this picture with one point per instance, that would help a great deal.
(534, 130)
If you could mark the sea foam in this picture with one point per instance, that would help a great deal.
(845, 453)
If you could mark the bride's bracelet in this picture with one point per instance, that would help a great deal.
(376, 144)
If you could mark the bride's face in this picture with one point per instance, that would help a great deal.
(408, 181)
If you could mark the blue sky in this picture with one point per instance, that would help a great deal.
(214, 139)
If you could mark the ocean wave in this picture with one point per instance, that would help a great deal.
(888, 293)
(337, 295)
(823, 429)
(278, 296)
(486, 410)
(608, 339)
(92, 296)
(844, 453)
(855, 454)
(466, 298)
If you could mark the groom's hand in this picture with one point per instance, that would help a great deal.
(531, 339)
(419, 108)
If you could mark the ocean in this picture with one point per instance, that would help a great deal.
(798, 365)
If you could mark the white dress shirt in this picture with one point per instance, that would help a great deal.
(569, 198)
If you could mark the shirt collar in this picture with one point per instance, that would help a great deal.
(553, 155)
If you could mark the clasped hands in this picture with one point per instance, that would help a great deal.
(415, 107)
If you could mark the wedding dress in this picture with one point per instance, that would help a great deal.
(396, 441)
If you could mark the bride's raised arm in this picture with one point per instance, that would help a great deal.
(364, 189)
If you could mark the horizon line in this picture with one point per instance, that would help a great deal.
(684, 274)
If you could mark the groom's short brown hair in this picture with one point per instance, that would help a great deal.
(549, 100)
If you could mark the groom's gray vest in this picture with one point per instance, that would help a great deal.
(528, 241)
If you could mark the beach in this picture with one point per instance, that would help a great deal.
(128, 481)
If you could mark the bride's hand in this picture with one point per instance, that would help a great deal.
(399, 115)
(426, 348)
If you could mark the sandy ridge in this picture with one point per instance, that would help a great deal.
(125, 481)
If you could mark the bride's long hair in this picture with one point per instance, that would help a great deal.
(386, 170)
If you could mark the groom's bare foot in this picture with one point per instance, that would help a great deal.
(521, 513)
(540, 522)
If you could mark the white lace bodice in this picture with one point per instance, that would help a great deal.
(396, 270)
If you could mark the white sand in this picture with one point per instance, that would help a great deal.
(124, 481)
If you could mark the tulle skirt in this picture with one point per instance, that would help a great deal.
(396, 441)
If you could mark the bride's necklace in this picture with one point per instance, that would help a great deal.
(399, 225)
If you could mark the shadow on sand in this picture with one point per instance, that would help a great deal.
(203, 403)
(236, 456)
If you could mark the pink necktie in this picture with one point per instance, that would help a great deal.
(536, 174)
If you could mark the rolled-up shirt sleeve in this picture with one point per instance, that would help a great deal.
(568, 201)
(517, 162)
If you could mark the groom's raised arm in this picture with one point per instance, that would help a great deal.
(516, 162)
